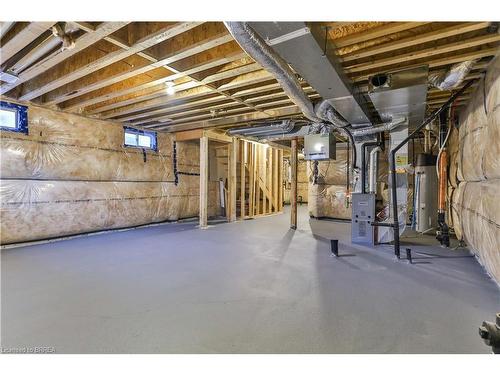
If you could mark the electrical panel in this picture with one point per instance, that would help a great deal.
(363, 215)
(319, 147)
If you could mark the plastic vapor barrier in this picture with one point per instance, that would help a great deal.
(474, 184)
(73, 175)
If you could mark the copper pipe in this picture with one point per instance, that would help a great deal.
(443, 178)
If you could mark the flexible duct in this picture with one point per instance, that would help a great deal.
(325, 111)
(256, 47)
(388, 126)
(372, 176)
(453, 77)
(283, 127)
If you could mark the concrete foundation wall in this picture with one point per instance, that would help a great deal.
(72, 175)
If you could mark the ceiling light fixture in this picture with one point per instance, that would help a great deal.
(170, 88)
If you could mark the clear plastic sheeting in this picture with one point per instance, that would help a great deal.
(329, 201)
(474, 185)
(476, 219)
(73, 175)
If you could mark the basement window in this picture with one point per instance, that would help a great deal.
(13, 117)
(140, 138)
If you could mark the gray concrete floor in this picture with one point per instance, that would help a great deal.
(245, 287)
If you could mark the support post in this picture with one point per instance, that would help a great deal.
(243, 152)
(233, 154)
(275, 180)
(251, 180)
(280, 180)
(293, 191)
(203, 182)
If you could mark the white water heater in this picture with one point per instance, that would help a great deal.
(425, 194)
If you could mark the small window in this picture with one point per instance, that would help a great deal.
(140, 138)
(13, 117)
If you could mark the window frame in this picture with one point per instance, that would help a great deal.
(21, 112)
(151, 134)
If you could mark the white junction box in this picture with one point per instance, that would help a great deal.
(319, 147)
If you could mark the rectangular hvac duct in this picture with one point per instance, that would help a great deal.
(400, 93)
(303, 47)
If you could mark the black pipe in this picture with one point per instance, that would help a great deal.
(349, 134)
(394, 193)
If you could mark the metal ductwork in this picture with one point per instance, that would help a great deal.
(453, 77)
(306, 48)
(400, 94)
(273, 129)
(388, 126)
(253, 44)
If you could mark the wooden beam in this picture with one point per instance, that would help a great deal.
(62, 77)
(442, 61)
(219, 137)
(24, 37)
(4, 27)
(129, 87)
(124, 108)
(81, 43)
(188, 135)
(413, 40)
(204, 182)
(140, 117)
(376, 32)
(177, 51)
(293, 191)
(233, 154)
(421, 54)
(231, 119)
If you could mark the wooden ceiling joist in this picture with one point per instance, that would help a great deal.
(56, 79)
(81, 43)
(462, 28)
(377, 32)
(125, 88)
(121, 71)
(24, 37)
(394, 60)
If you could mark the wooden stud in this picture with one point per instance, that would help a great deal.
(270, 182)
(275, 179)
(243, 149)
(251, 180)
(258, 164)
(280, 180)
(293, 191)
(233, 152)
(204, 182)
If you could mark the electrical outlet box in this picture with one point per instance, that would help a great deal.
(319, 147)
